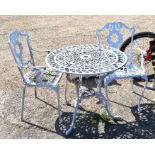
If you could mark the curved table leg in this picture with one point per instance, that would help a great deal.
(78, 100)
(74, 117)
(105, 99)
(66, 89)
(98, 92)
(107, 106)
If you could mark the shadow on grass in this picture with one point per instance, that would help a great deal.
(143, 127)
(38, 126)
(86, 128)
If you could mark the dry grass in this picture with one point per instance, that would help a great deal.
(48, 33)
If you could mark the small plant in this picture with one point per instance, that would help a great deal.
(101, 118)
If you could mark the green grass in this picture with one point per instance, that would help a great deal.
(101, 118)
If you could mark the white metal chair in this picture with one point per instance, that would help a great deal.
(114, 38)
(32, 76)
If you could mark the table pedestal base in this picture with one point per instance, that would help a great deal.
(98, 94)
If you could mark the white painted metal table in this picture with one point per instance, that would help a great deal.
(85, 61)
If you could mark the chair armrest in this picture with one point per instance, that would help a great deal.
(37, 50)
(39, 67)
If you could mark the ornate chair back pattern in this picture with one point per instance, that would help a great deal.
(114, 29)
(16, 41)
(17, 50)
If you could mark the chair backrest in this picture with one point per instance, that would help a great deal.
(114, 36)
(17, 50)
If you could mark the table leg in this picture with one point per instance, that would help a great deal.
(78, 100)
(66, 89)
(105, 100)
(99, 85)
(107, 106)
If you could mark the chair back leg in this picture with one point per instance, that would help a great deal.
(23, 99)
(35, 92)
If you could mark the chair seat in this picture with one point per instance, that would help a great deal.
(132, 72)
(46, 77)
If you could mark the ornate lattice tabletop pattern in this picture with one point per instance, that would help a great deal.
(86, 59)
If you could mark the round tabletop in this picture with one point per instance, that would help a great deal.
(86, 59)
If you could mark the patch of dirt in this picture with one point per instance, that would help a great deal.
(49, 33)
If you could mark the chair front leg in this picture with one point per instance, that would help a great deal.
(23, 99)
